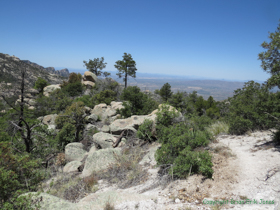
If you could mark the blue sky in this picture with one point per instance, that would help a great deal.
(209, 38)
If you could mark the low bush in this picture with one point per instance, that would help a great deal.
(88, 101)
(165, 116)
(74, 85)
(105, 96)
(65, 136)
(193, 162)
(145, 130)
(137, 102)
(239, 125)
(18, 174)
(179, 142)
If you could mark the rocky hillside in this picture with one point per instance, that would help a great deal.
(62, 72)
(10, 67)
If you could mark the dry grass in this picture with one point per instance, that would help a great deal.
(71, 187)
(224, 151)
(60, 159)
(126, 172)
(218, 128)
(109, 205)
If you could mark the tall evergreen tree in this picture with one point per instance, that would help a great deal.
(126, 67)
(271, 58)
(96, 65)
(165, 92)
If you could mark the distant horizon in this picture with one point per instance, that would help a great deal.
(174, 76)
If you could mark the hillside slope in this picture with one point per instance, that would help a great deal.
(10, 67)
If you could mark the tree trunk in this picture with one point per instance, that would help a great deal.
(125, 80)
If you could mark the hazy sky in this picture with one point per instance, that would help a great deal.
(209, 38)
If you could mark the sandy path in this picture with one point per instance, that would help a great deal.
(258, 165)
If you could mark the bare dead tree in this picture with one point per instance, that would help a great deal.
(21, 125)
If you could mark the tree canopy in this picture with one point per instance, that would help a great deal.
(96, 65)
(271, 58)
(126, 67)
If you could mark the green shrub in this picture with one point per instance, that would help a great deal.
(55, 103)
(199, 123)
(40, 84)
(65, 136)
(145, 130)
(89, 101)
(239, 125)
(137, 103)
(73, 114)
(192, 162)
(165, 116)
(178, 138)
(18, 174)
(73, 89)
(248, 108)
(106, 96)
(74, 85)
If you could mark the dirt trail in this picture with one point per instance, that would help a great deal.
(246, 168)
(258, 165)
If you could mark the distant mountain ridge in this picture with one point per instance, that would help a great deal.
(11, 66)
(62, 72)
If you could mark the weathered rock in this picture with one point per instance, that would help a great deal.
(50, 88)
(104, 140)
(90, 127)
(32, 91)
(72, 166)
(89, 76)
(87, 109)
(179, 118)
(87, 92)
(88, 84)
(105, 129)
(74, 151)
(103, 111)
(91, 118)
(100, 160)
(131, 123)
(50, 120)
(117, 105)
(118, 116)
(92, 150)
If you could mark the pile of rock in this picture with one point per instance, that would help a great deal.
(89, 79)
(102, 151)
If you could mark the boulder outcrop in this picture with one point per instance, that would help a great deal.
(100, 160)
(50, 88)
(104, 140)
(75, 151)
